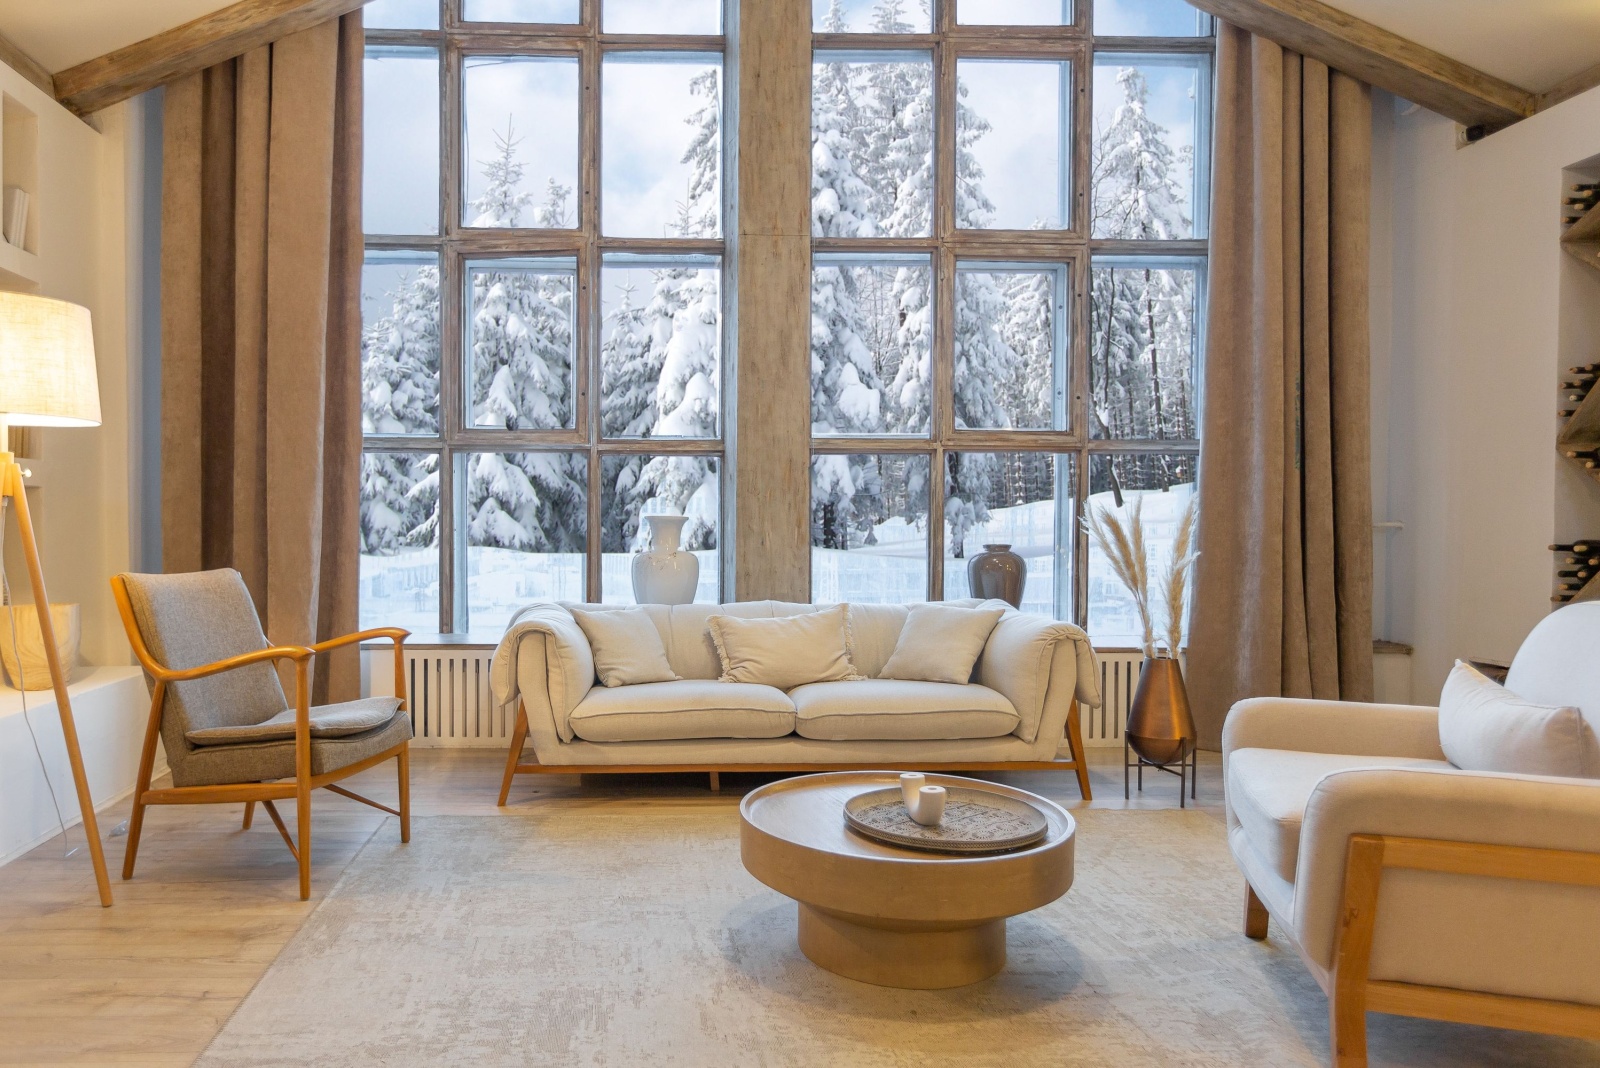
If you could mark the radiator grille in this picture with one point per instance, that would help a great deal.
(1119, 674)
(450, 701)
(451, 704)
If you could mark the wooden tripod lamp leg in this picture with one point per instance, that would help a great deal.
(69, 730)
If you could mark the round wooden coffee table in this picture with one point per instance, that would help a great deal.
(892, 916)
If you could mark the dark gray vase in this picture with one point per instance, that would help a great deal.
(998, 572)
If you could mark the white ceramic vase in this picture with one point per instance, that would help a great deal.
(665, 574)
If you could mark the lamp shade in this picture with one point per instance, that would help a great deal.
(47, 372)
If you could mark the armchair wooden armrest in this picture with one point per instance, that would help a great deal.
(298, 653)
(398, 635)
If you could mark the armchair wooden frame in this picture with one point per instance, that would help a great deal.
(516, 766)
(266, 793)
(1352, 994)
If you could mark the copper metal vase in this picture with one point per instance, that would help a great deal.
(1160, 727)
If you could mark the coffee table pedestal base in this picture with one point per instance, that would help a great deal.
(910, 955)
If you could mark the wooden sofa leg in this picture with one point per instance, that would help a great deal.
(519, 736)
(1075, 741)
(249, 815)
(1255, 914)
(1347, 1026)
(716, 782)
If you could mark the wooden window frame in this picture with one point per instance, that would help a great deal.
(949, 246)
(456, 244)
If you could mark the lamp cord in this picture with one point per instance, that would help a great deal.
(22, 684)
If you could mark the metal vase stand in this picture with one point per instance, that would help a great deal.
(1187, 770)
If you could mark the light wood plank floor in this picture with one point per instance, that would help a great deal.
(150, 980)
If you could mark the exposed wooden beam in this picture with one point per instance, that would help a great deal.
(1568, 88)
(25, 65)
(195, 45)
(1381, 58)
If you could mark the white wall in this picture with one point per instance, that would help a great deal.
(1468, 348)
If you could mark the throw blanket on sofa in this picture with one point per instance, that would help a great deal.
(570, 679)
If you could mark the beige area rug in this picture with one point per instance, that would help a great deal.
(587, 936)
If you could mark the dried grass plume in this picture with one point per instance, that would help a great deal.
(1175, 580)
(1123, 545)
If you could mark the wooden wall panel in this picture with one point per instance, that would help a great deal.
(770, 438)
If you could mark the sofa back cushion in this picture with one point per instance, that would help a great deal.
(785, 651)
(941, 643)
(627, 646)
(1557, 666)
(1485, 727)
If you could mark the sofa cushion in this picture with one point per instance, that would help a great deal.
(1485, 727)
(327, 721)
(691, 708)
(690, 650)
(940, 643)
(787, 651)
(874, 632)
(627, 647)
(1268, 790)
(893, 710)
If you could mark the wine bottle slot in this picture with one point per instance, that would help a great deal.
(1579, 547)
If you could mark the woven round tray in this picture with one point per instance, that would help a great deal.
(975, 821)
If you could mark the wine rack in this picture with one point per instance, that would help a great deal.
(1577, 564)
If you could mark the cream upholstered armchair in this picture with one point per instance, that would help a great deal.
(220, 712)
(1410, 886)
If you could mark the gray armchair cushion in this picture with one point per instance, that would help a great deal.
(327, 721)
(198, 618)
(211, 765)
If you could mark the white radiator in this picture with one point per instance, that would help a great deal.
(451, 705)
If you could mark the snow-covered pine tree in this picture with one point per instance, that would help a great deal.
(400, 395)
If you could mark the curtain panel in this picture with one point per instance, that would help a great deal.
(261, 335)
(1283, 583)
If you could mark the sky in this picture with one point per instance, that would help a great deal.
(536, 99)
(1022, 154)
(1172, 101)
(643, 134)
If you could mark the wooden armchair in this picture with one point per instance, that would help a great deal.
(218, 707)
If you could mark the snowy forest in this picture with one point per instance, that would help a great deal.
(871, 337)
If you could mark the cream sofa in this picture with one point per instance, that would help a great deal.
(1019, 711)
(1409, 886)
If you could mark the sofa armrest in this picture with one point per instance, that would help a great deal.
(1529, 811)
(1345, 727)
(1017, 662)
(555, 681)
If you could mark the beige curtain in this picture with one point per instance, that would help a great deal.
(1283, 585)
(260, 277)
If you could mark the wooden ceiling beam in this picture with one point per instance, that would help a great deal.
(1381, 58)
(182, 50)
(18, 60)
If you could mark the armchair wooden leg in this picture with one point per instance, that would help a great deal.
(1352, 954)
(519, 736)
(1075, 741)
(135, 826)
(147, 762)
(1347, 1025)
(302, 806)
(1255, 914)
(249, 814)
(404, 762)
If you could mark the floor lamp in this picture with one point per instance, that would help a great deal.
(47, 378)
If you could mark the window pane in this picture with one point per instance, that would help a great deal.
(1013, 144)
(869, 529)
(632, 486)
(1162, 484)
(1145, 349)
(1010, 371)
(653, 16)
(660, 347)
(871, 16)
(401, 15)
(520, 343)
(1014, 12)
(1021, 499)
(400, 343)
(550, 11)
(872, 144)
(661, 145)
(400, 540)
(523, 525)
(1148, 18)
(871, 335)
(400, 139)
(520, 128)
(1147, 111)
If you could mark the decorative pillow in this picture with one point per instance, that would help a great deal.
(1485, 727)
(626, 645)
(788, 651)
(940, 643)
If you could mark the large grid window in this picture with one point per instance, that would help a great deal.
(1008, 285)
(542, 300)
